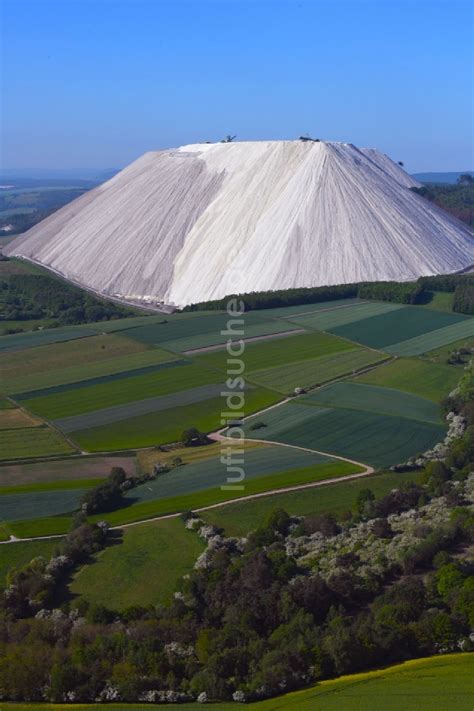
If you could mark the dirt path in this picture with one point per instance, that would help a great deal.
(218, 437)
(252, 339)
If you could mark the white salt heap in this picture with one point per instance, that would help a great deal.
(207, 220)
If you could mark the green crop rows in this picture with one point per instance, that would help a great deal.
(400, 324)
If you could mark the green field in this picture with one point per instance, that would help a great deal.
(32, 442)
(75, 401)
(52, 359)
(21, 341)
(310, 373)
(379, 440)
(80, 373)
(280, 351)
(441, 300)
(434, 339)
(370, 398)
(238, 518)
(254, 329)
(18, 554)
(412, 375)
(330, 320)
(167, 425)
(401, 324)
(150, 406)
(106, 378)
(144, 568)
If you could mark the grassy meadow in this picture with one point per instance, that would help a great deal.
(143, 566)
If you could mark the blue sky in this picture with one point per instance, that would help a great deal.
(95, 83)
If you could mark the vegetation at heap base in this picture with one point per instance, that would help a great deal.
(28, 294)
(419, 292)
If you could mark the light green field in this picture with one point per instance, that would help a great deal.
(143, 569)
(34, 528)
(80, 373)
(441, 300)
(412, 375)
(32, 442)
(442, 683)
(308, 374)
(167, 425)
(280, 352)
(386, 330)
(434, 339)
(238, 518)
(54, 357)
(376, 400)
(329, 320)
(18, 554)
(76, 401)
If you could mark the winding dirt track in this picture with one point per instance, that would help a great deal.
(219, 437)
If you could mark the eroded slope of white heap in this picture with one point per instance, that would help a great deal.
(208, 220)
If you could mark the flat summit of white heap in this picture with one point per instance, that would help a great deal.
(206, 220)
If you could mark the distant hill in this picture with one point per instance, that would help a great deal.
(449, 178)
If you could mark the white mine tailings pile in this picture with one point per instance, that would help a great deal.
(207, 220)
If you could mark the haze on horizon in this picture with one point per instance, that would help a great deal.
(93, 85)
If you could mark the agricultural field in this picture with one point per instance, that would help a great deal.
(280, 351)
(38, 504)
(309, 374)
(143, 566)
(57, 357)
(211, 473)
(30, 442)
(434, 339)
(405, 324)
(377, 439)
(71, 469)
(31, 339)
(111, 391)
(13, 418)
(203, 331)
(413, 375)
(129, 364)
(370, 398)
(167, 425)
(339, 317)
